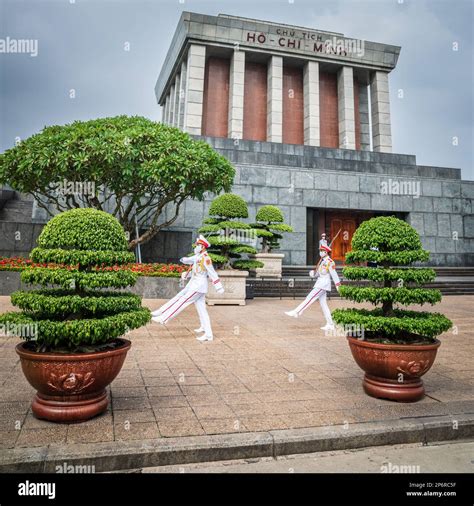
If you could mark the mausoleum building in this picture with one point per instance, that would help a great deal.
(304, 115)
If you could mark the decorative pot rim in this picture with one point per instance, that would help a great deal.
(71, 357)
(395, 347)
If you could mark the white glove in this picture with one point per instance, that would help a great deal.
(220, 290)
(312, 274)
(184, 275)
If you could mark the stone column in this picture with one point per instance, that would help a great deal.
(194, 89)
(311, 103)
(172, 104)
(345, 107)
(182, 95)
(176, 100)
(364, 117)
(380, 107)
(164, 117)
(236, 95)
(275, 99)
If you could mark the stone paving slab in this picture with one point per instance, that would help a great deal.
(263, 372)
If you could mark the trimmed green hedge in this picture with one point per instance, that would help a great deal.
(268, 227)
(73, 333)
(402, 295)
(77, 279)
(48, 303)
(73, 257)
(79, 315)
(390, 242)
(226, 234)
(83, 229)
(379, 274)
(404, 326)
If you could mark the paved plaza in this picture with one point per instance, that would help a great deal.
(264, 371)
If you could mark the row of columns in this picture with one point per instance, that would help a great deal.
(183, 106)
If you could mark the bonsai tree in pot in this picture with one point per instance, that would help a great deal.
(76, 349)
(230, 238)
(269, 227)
(395, 346)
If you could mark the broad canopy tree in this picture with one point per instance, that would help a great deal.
(131, 167)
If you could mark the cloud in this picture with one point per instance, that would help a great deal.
(81, 48)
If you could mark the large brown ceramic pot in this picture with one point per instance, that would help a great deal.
(393, 371)
(71, 387)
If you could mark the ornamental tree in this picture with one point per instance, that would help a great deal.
(131, 167)
(228, 235)
(78, 315)
(395, 245)
(270, 222)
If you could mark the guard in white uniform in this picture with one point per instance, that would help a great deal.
(195, 291)
(326, 270)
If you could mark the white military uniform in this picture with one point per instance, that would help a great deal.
(194, 292)
(326, 270)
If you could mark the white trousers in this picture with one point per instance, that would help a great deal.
(314, 295)
(180, 302)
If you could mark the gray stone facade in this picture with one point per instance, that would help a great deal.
(439, 204)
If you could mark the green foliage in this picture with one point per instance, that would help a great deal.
(380, 274)
(402, 295)
(142, 166)
(243, 248)
(391, 257)
(386, 233)
(403, 327)
(226, 234)
(228, 205)
(396, 243)
(271, 214)
(83, 229)
(77, 279)
(52, 334)
(269, 224)
(75, 257)
(78, 314)
(248, 264)
(206, 229)
(218, 259)
(50, 303)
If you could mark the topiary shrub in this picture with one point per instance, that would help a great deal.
(229, 237)
(398, 244)
(78, 315)
(270, 222)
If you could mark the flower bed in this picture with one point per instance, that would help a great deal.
(153, 269)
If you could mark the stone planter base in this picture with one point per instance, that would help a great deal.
(272, 267)
(71, 387)
(233, 282)
(393, 371)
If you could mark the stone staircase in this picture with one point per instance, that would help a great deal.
(296, 283)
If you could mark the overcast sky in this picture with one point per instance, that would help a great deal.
(82, 46)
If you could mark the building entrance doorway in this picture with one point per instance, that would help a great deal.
(332, 222)
(342, 228)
